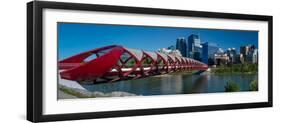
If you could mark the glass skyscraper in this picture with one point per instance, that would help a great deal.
(194, 47)
(208, 51)
(181, 46)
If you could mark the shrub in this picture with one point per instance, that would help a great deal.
(231, 87)
(254, 85)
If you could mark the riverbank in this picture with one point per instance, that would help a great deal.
(72, 93)
(245, 68)
(63, 95)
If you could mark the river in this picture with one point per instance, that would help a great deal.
(179, 83)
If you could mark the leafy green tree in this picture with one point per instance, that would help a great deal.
(236, 68)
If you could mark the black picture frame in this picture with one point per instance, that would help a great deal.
(35, 69)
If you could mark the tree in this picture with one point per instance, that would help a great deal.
(231, 87)
(254, 85)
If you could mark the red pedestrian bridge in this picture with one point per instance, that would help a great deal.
(115, 63)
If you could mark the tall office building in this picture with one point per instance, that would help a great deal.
(247, 52)
(208, 51)
(244, 50)
(255, 56)
(231, 53)
(181, 46)
(194, 47)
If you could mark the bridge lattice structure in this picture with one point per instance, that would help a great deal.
(115, 63)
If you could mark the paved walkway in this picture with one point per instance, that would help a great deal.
(63, 95)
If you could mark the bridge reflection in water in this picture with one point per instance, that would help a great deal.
(177, 83)
(116, 63)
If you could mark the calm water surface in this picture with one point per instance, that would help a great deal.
(179, 83)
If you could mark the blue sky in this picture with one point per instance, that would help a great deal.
(74, 38)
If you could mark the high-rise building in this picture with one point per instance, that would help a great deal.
(231, 53)
(241, 58)
(244, 50)
(208, 51)
(255, 56)
(194, 47)
(248, 52)
(181, 46)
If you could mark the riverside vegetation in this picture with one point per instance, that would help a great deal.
(236, 68)
(231, 86)
(246, 68)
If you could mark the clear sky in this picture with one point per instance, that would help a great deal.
(74, 38)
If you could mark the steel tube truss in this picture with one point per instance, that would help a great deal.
(115, 63)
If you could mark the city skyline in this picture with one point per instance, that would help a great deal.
(74, 38)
